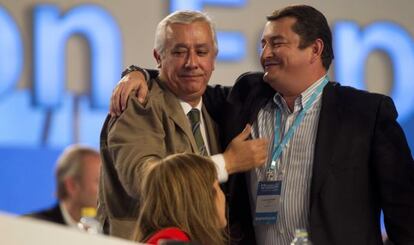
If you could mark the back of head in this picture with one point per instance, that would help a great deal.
(71, 164)
(178, 192)
(310, 25)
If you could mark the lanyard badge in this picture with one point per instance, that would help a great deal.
(267, 202)
(268, 191)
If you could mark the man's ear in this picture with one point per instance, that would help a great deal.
(317, 49)
(71, 185)
(157, 57)
(215, 59)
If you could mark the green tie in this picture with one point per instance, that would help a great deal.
(194, 116)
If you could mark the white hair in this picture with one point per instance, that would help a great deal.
(181, 17)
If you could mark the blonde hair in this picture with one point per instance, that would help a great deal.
(181, 17)
(178, 192)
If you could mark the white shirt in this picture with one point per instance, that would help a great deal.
(66, 216)
(218, 159)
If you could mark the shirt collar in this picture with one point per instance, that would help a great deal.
(66, 216)
(187, 107)
(302, 98)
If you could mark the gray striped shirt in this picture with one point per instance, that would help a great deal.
(295, 170)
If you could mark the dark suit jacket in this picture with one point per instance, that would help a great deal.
(362, 164)
(53, 214)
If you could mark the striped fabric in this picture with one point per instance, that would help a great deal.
(295, 169)
(194, 117)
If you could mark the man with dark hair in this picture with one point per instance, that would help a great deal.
(310, 25)
(338, 157)
(77, 178)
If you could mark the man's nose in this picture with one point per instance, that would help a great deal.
(192, 61)
(266, 51)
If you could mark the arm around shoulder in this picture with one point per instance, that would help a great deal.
(134, 140)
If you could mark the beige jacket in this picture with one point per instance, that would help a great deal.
(141, 133)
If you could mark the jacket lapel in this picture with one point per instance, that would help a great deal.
(211, 132)
(328, 127)
(176, 113)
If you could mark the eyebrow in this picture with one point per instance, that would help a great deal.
(183, 45)
(273, 38)
(203, 45)
(180, 45)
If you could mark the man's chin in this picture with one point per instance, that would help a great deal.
(268, 78)
(191, 79)
(272, 81)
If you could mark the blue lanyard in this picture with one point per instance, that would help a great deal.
(279, 146)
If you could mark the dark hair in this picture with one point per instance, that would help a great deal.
(310, 25)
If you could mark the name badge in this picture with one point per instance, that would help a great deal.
(267, 202)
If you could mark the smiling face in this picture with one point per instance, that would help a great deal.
(187, 60)
(286, 66)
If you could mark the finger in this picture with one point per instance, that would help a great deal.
(112, 104)
(111, 108)
(259, 153)
(265, 143)
(111, 112)
(142, 93)
(123, 97)
(260, 157)
(248, 128)
(258, 143)
(244, 134)
(118, 98)
(260, 163)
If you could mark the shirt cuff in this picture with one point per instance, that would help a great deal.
(220, 163)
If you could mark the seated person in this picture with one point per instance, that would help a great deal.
(182, 201)
(77, 178)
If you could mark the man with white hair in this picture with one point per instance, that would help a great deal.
(172, 120)
(77, 178)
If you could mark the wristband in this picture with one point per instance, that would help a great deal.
(132, 68)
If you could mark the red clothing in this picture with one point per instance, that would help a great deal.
(171, 233)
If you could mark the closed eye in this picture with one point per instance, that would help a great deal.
(179, 52)
(202, 53)
(278, 43)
